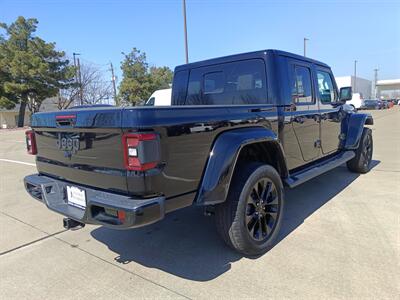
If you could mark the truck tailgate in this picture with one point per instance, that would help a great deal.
(82, 146)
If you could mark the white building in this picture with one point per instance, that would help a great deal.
(390, 88)
(359, 85)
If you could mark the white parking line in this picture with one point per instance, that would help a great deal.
(13, 142)
(17, 162)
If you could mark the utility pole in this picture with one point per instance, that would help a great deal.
(74, 55)
(305, 45)
(185, 31)
(80, 82)
(375, 83)
(113, 83)
(355, 75)
(77, 74)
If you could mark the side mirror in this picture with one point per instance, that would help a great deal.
(345, 94)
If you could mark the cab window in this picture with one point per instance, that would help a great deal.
(326, 90)
(235, 83)
(214, 83)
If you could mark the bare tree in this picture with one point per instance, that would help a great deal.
(95, 89)
(67, 97)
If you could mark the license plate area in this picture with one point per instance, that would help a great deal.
(76, 197)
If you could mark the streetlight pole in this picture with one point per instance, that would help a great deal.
(305, 45)
(355, 75)
(185, 31)
(375, 83)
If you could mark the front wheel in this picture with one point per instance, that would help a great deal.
(250, 219)
(362, 161)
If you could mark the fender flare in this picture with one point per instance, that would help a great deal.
(220, 165)
(355, 126)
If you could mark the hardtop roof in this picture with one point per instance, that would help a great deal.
(247, 55)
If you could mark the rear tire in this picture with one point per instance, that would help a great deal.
(250, 219)
(361, 163)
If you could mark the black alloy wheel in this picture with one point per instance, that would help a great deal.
(361, 163)
(262, 210)
(367, 151)
(249, 220)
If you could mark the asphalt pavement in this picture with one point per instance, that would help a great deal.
(340, 240)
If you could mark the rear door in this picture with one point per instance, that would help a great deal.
(331, 116)
(305, 113)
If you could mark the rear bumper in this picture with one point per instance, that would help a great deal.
(102, 208)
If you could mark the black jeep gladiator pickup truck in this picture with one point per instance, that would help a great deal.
(240, 128)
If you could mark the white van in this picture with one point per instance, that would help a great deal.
(356, 101)
(160, 98)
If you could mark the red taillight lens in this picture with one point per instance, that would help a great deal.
(30, 142)
(121, 215)
(141, 151)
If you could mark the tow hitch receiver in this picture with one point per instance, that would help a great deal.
(71, 223)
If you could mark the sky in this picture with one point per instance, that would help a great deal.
(339, 32)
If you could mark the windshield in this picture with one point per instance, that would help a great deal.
(150, 102)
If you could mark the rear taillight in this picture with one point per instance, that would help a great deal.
(30, 142)
(121, 215)
(141, 151)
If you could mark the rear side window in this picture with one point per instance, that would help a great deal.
(214, 83)
(301, 87)
(236, 83)
(180, 84)
(327, 93)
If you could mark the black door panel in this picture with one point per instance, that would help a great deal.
(330, 114)
(306, 127)
(304, 110)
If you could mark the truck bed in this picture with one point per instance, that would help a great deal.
(99, 161)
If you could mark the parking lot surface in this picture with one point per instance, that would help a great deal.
(340, 239)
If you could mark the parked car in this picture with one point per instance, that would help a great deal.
(122, 167)
(160, 98)
(382, 104)
(373, 104)
(200, 128)
(391, 103)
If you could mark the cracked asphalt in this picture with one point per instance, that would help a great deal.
(340, 239)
